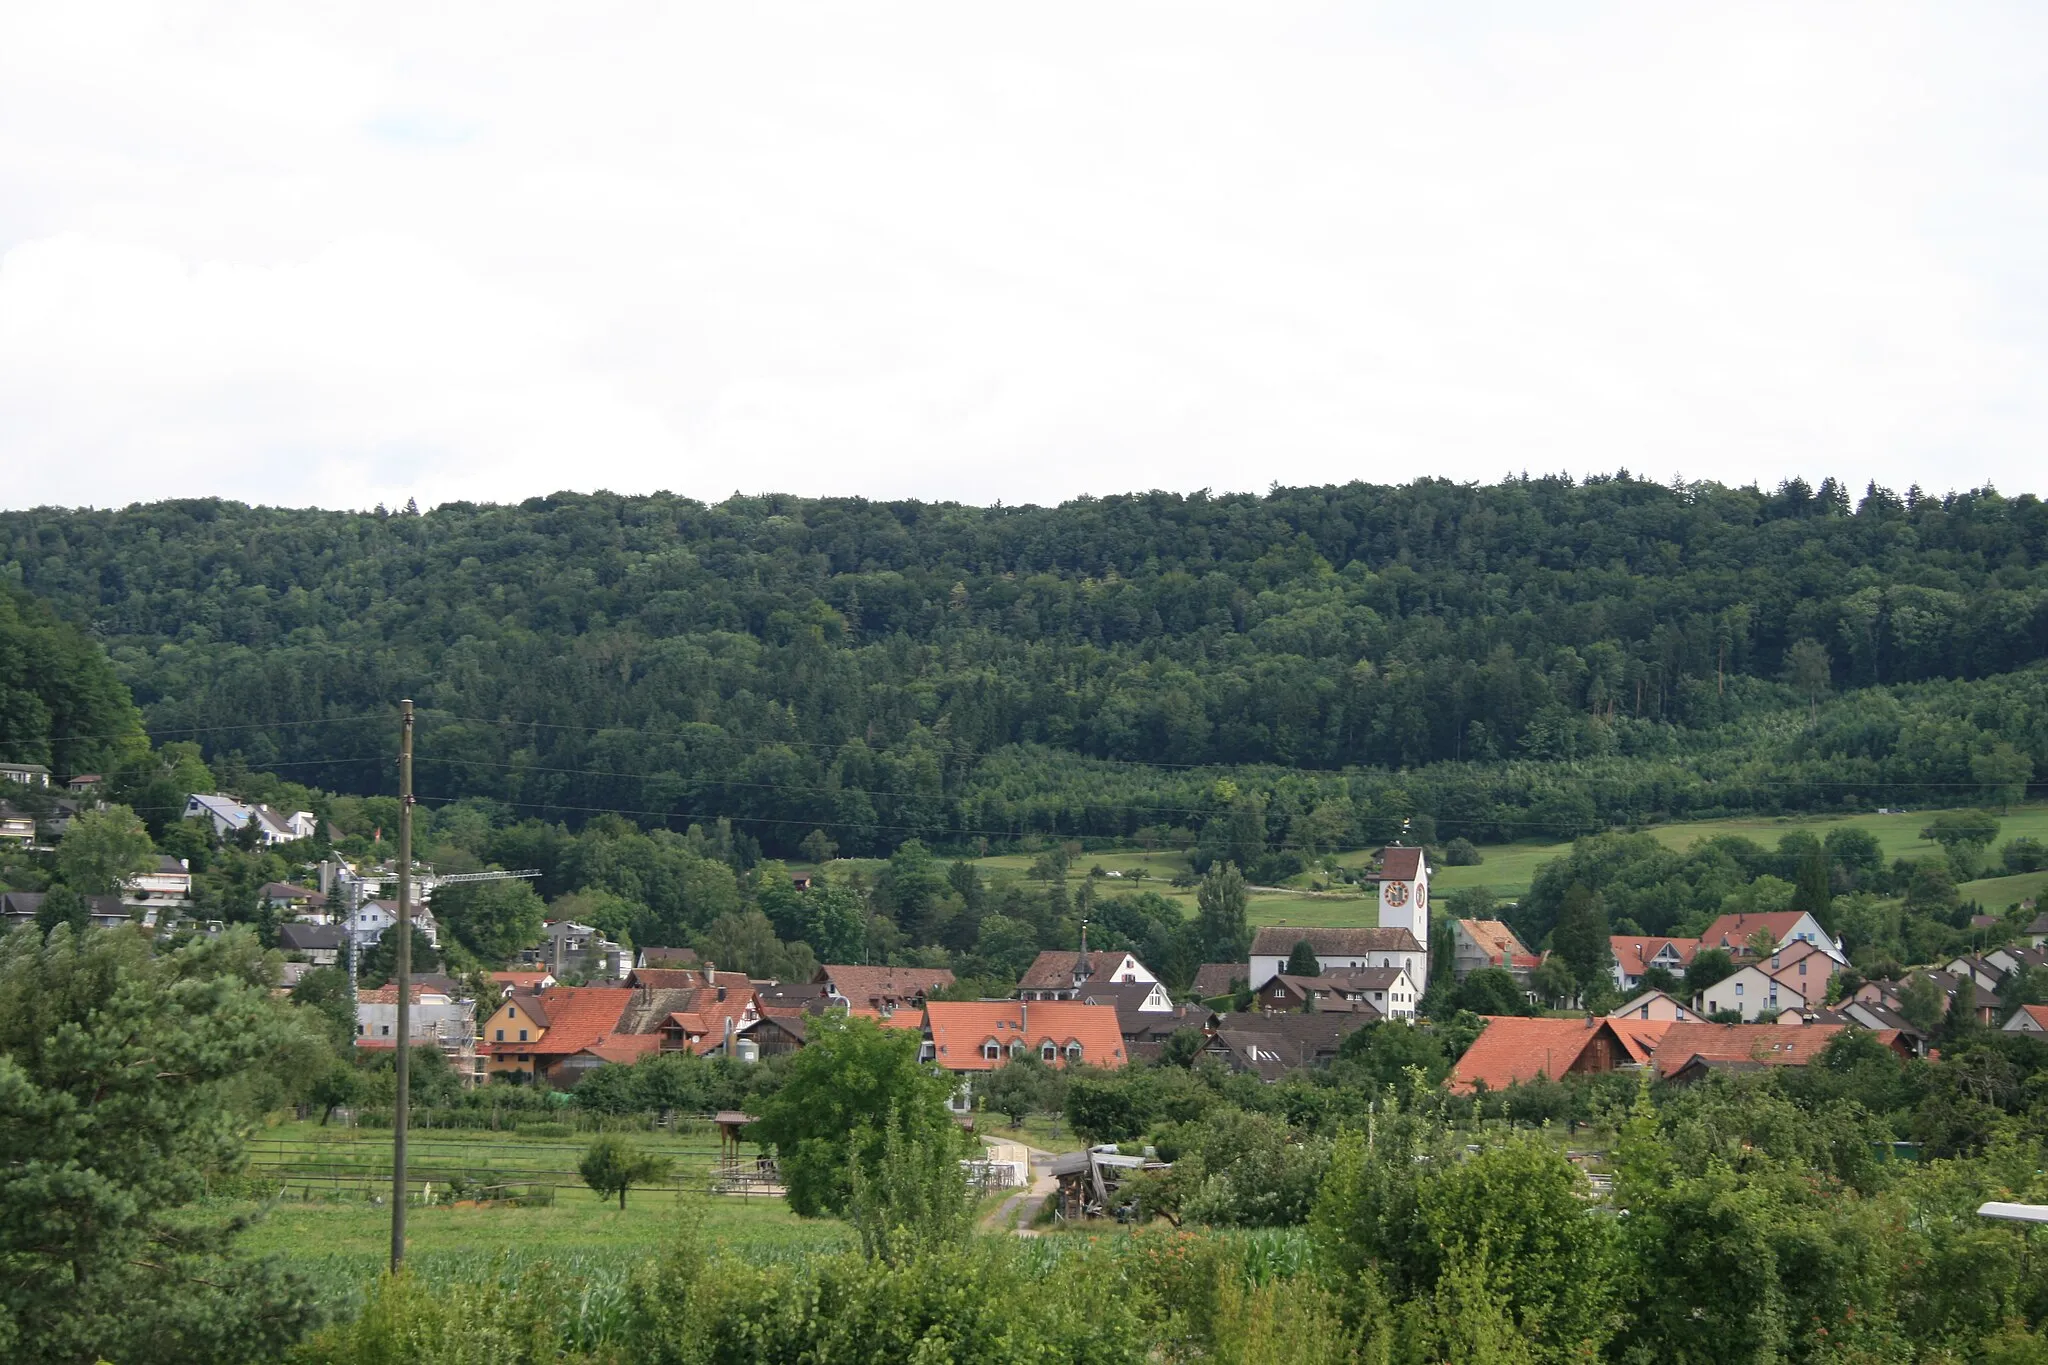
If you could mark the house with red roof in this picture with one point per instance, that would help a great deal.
(1514, 1051)
(974, 1038)
(882, 989)
(2028, 1019)
(583, 1022)
(1689, 1051)
(1635, 954)
(1735, 933)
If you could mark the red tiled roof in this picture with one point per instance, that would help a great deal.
(1733, 931)
(874, 985)
(521, 981)
(625, 1047)
(1512, 1050)
(1639, 1036)
(904, 1018)
(579, 1016)
(959, 1028)
(2037, 1013)
(1771, 1044)
(1634, 951)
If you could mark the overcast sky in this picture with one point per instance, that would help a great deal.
(1020, 252)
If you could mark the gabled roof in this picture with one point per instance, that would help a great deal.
(1123, 996)
(873, 985)
(1218, 978)
(1511, 1050)
(529, 1006)
(1400, 864)
(958, 1029)
(1770, 1044)
(308, 938)
(1055, 969)
(1634, 953)
(1270, 1045)
(1733, 931)
(668, 957)
(1322, 986)
(2037, 1013)
(1278, 940)
(286, 891)
(580, 1016)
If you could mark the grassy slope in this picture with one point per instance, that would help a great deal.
(1508, 868)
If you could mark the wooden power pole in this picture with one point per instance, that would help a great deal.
(403, 978)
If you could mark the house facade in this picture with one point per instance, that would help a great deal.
(1756, 995)
(17, 825)
(322, 945)
(27, 774)
(171, 877)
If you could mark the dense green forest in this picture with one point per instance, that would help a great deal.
(1540, 656)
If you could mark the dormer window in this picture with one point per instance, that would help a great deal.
(991, 1050)
(1047, 1053)
(1073, 1053)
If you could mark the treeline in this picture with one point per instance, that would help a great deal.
(894, 670)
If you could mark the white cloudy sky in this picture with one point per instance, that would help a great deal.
(1021, 252)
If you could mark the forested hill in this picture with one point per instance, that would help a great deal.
(851, 663)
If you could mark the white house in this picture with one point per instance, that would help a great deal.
(1055, 975)
(27, 774)
(372, 918)
(1757, 995)
(1337, 950)
(170, 877)
(17, 825)
(229, 815)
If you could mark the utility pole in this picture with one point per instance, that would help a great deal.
(403, 978)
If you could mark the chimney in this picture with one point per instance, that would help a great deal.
(1590, 1020)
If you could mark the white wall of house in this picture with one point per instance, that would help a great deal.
(1756, 994)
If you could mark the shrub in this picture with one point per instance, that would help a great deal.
(1461, 853)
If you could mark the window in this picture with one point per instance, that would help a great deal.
(1738, 988)
(522, 1035)
(991, 1050)
(1048, 1053)
(1017, 1047)
(385, 1029)
(1073, 1054)
(1802, 966)
(501, 1035)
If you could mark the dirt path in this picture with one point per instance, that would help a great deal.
(1020, 1208)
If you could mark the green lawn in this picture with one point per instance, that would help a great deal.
(1509, 868)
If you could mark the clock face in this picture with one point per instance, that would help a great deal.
(1397, 893)
(1421, 898)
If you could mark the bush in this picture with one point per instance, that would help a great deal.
(1461, 853)
(2024, 854)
